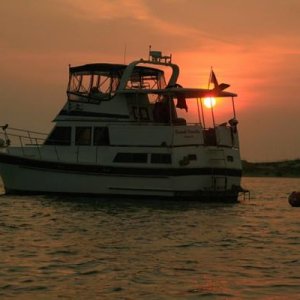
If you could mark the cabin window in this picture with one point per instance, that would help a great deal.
(101, 136)
(160, 158)
(192, 157)
(131, 157)
(140, 113)
(60, 136)
(230, 158)
(83, 136)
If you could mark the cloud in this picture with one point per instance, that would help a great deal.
(135, 10)
(105, 9)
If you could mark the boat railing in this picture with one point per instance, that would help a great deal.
(22, 138)
(31, 144)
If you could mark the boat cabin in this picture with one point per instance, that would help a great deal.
(104, 96)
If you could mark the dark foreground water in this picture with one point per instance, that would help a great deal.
(55, 248)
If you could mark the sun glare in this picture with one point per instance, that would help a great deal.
(210, 102)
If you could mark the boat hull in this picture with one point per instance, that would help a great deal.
(23, 175)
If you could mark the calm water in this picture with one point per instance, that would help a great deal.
(54, 248)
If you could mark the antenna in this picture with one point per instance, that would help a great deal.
(125, 50)
(210, 77)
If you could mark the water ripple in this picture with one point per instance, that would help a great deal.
(68, 248)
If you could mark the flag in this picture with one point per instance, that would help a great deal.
(181, 103)
(213, 79)
(223, 86)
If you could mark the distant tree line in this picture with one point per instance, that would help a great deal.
(288, 168)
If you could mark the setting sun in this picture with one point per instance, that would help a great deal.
(210, 102)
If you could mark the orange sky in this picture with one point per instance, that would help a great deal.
(253, 45)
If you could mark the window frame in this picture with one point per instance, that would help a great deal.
(65, 140)
(80, 141)
(105, 140)
(161, 158)
(129, 157)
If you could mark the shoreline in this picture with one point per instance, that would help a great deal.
(288, 168)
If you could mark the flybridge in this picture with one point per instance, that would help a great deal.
(138, 91)
(101, 81)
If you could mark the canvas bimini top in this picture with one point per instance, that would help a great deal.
(103, 79)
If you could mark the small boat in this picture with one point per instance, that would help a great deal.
(131, 130)
(294, 199)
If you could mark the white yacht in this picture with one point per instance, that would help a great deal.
(125, 131)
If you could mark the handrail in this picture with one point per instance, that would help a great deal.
(24, 130)
(25, 137)
(21, 137)
(24, 142)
